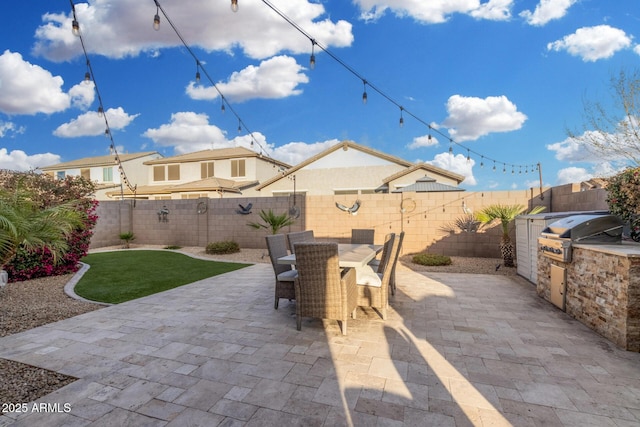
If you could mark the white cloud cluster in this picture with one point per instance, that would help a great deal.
(457, 163)
(10, 128)
(123, 28)
(18, 160)
(547, 10)
(470, 117)
(275, 78)
(28, 88)
(577, 174)
(296, 152)
(435, 11)
(92, 124)
(593, 43)
(422, 142)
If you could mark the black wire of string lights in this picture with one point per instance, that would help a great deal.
(367, 84)
(88, 77)
(200, 67)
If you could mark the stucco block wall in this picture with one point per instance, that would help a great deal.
(569, 197)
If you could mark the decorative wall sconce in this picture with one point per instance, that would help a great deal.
(163, 214)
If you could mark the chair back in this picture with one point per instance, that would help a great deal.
(386, 251)
(299, 236)
(387, 263)
(363, 236)
(277, 246)
(319, 277)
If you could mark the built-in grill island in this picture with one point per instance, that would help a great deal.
(555, 241)
(586, 269)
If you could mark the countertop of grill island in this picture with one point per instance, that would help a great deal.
(625, 249)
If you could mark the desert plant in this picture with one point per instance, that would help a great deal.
(223, 247)
(127, 237)
(272, 221)
(431, 259)
(505, 214)
(467, 223)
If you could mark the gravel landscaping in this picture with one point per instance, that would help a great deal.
(29, 304)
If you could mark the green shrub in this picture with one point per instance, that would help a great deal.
(431, 259)
(224, 247)
(173, 247)
(127, 237)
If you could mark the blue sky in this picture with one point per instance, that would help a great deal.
(499, 81)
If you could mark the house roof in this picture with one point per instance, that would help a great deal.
(207, 184)
(427, 185)
(97, 161)
(428, 168)
(215, 154)
(343, 145)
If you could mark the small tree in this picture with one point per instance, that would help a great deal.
(272, 221)
(505, 214)
(127, 237)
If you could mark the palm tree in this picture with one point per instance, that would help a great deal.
(505, 214)
(272, 222)
(23, 223)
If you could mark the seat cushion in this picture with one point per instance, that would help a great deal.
(288, 276)
(366, 276)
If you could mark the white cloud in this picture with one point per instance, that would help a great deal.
(435, 11)
(10, 128)
(593, 43)
(457, 164)
(576, 174)
(637, 49)
(92, 124)
(188, 132)
(297, 152)
(83, 94)
(28, 88)
(122, 28)
(470, 117)
(547, 10)
(423, 141)
(277, 77)
(18, 160)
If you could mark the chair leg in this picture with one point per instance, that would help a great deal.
(383, 311)
(275, 305)
(353, 313)
(344, 327)
(298, 322)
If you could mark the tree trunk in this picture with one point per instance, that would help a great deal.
(506, 248)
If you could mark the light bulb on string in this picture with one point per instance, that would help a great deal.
(100, 111)
(504, 168)
(401, 118)
(239, 126)
(312, 58)
(106, 132)
(87, 77)
(451, 147)
(234, 5)
(197, 72)
(482, 161)
(364, 93)
(468, 156)
(494, 165)
(75, 28)
(156, 19)
(222, 106)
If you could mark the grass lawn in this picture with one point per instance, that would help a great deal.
(121, 276)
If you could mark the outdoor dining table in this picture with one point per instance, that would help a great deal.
(349, 255)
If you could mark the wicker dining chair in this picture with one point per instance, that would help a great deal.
(392, 280)
(377, 297)
(299, 236)
(284, 274)
(363, 236)
(322, 290)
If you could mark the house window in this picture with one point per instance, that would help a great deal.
(158, 173)
(206, 170)
(60, 175)
(237, 168)
(107, 174)
(85, 173)
(173, 172)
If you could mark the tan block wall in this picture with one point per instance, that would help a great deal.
(603, 292)
(567, 198)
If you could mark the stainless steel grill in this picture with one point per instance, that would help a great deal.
(557, 238)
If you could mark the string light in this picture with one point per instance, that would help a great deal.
(364, 94)
(234, 5)
(197, 72)
(312, 58)
(156, 19)
(75, 27)
(401, 118)
(367, 83)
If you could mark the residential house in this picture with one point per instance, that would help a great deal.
(226, 172)
(105, 171)
(350, 168)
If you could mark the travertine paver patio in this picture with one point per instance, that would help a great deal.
(457, 349)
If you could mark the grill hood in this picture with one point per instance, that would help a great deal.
(586, 229)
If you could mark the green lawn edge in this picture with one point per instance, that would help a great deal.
(120, 276)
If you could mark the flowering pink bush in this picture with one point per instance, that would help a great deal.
(48, 191)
